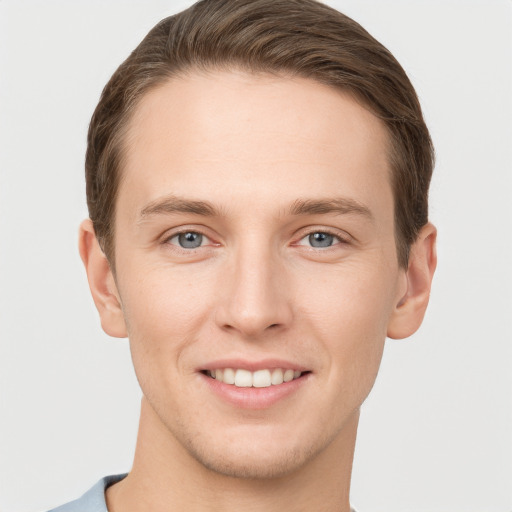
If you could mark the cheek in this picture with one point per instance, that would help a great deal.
(350, 313)
(164, 297)
(352, 300)
(164, 312)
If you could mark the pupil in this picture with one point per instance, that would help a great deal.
(321, 239)
(190, 240)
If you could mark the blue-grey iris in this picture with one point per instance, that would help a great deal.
(190, 240)
(321, 239)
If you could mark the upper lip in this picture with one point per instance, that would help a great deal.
(263, 364)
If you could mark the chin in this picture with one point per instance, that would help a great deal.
(254, 447)
(255, 453)
(247, 464)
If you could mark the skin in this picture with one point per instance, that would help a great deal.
(253, 146)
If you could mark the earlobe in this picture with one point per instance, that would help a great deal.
(411, 306)
(101, 282)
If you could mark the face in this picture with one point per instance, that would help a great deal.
(255, 265)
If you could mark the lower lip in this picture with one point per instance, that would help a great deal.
(255, 398)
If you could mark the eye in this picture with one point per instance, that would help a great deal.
(320, 240)
(188, 240)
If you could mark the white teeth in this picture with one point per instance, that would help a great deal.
(277, 376)
(288, 375)
(243, 378)
(261, 379)
(229, 376)
(258, 379)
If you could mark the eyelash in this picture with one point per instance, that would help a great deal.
(196, 231)
(339, 240)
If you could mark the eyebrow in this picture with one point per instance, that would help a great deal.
(339, 206)
(174, 204)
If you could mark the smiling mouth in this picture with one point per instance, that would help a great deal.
(259, 379)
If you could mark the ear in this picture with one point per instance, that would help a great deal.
(101, 282)
(411, 306)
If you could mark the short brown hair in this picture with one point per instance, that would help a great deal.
(296, 37)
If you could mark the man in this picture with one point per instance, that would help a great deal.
(257, 181)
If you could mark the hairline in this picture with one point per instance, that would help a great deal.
(121, 138)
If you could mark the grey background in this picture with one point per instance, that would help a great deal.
(436, 432)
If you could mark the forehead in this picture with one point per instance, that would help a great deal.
(239, 135)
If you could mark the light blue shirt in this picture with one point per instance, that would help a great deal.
(94, 499)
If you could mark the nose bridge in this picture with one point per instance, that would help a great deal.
(255, 297)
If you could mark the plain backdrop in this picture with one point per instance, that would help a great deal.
(435, 434)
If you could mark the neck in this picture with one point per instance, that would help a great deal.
(165, 475)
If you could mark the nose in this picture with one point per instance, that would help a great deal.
(255, 296)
